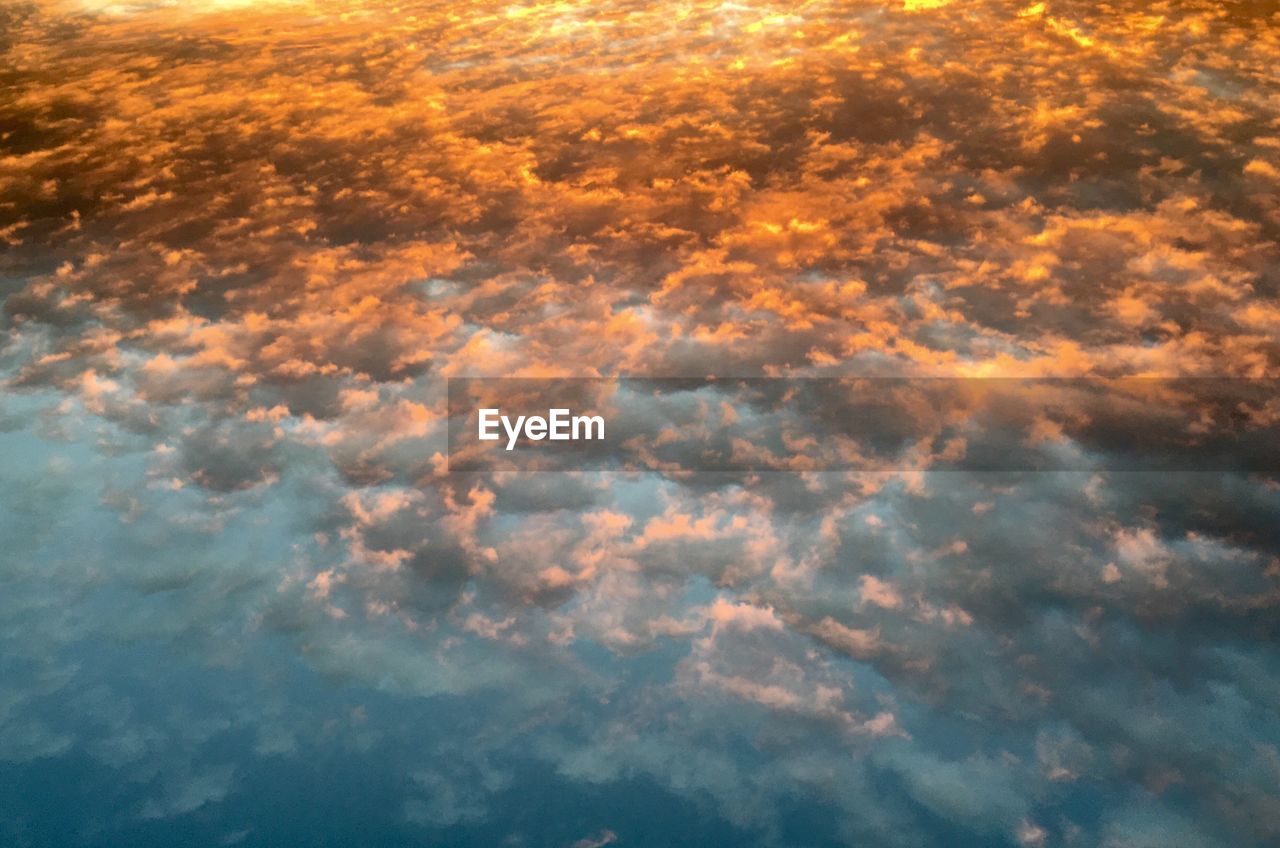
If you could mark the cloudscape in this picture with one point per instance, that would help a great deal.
(252, 594)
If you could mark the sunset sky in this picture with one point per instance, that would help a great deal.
(245, 244)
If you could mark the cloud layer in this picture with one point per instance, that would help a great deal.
(246, 245)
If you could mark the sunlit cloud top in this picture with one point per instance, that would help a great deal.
(246, 244)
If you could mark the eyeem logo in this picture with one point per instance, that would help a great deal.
(868, 424)
(560, 425)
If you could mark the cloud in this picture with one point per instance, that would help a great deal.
(245, 246)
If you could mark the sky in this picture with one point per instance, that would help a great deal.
(245, 246)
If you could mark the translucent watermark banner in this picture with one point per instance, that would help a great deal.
(864, 424)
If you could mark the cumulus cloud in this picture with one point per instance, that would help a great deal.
(246, 245)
